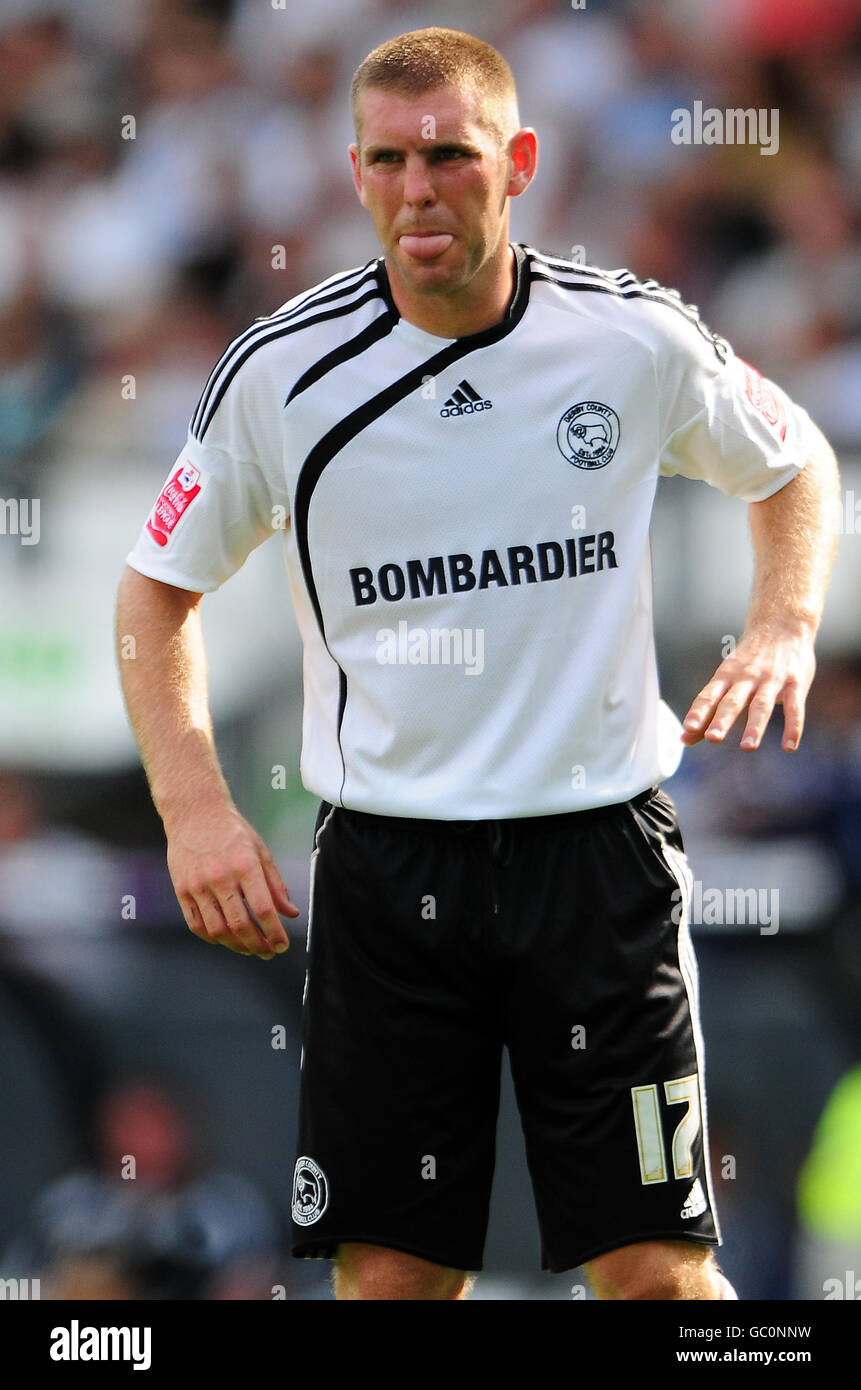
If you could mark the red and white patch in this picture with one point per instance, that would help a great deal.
(173, 501)
(761, 396)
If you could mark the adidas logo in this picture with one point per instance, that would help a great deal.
(464, 400)
(695, 1202)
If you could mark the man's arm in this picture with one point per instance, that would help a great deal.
(217, 861)
(795, 536)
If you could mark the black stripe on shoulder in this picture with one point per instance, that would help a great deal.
(261, 329)
(591, 272)
(343, 281)
(688, 311)
(613, 277)
(617, 279)
(330, 289)
(282, 331)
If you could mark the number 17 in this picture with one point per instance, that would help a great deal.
(650, 1134)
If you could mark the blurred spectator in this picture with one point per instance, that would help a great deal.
(151, 1220)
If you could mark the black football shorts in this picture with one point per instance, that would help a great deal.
(434, 944)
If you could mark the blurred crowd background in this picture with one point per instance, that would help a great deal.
(169, 169)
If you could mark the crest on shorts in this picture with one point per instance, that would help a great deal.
(310, 1192)
(588, 434)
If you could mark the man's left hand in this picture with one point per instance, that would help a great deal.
(772, 665)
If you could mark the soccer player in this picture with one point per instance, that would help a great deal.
(461, 442)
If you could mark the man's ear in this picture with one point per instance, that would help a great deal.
(523, 153)
(357, 173)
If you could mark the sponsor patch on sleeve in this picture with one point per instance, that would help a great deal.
(761, 395)
(173, 501)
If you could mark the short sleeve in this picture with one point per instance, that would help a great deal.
(720, 420)
(225, 493)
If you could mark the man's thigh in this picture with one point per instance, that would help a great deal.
(606, 1052)
(402, 1051)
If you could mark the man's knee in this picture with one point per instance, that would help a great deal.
(657, 1269)
(375, 1272)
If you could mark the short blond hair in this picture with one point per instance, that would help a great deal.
(424, 60)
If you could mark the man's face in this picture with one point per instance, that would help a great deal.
(436, 183)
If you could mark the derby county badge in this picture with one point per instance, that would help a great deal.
(310, 1192)
(588, 434)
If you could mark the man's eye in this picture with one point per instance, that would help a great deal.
(449, 152)
(386, 157)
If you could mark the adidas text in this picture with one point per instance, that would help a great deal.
(471, 408)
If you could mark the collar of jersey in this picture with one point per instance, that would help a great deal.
(513, 313)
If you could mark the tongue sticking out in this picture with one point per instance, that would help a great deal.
(424, 248)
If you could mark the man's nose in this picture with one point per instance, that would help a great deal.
(418, 184)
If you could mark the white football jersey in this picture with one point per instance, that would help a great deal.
(466, 524)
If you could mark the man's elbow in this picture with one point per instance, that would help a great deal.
(822, 461)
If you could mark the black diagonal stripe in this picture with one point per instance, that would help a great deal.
(352, 348)
(340, 435)
(259, 332)
(470, 391)
(273, 337)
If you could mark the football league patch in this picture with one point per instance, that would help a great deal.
(173, 501)
(761, 396)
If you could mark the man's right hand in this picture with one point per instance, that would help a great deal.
(225, 877)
